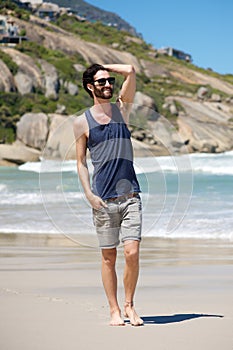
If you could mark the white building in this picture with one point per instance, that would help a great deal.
(170, 51)
(32, 2)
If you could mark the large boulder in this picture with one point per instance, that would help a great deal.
(24, 83)
(141, 99)
(61, 141)
(18, 153)
(143, 109)
(207, 138)
(202, 92)
(152, 69)
(71, 88)
(6, 78)
(51, 79)
(27, 68)
(32, 130)
(205, 126)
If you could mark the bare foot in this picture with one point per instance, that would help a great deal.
(116, 319)
(130, 312)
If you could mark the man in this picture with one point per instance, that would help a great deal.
(114, 193)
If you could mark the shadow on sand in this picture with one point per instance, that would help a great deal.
(174, 318)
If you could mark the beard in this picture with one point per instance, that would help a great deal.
(105, 92)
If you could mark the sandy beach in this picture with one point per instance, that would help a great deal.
(52, 296)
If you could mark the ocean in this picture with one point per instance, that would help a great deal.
(189, 196)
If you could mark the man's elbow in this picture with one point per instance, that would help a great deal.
(131, 69)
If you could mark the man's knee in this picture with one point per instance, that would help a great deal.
(131, 251)
(109, 256)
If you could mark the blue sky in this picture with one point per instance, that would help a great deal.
(203, 29)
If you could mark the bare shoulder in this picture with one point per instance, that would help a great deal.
(80, 125)
(80, 121)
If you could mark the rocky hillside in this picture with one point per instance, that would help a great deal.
(178, 107)
(93, 13)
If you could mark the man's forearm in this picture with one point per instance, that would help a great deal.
(85, 179)
(95, 201)
(124, 69)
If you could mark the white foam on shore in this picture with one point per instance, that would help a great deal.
(3, 188)
(219, 164)
(33, 198)
(56, 203)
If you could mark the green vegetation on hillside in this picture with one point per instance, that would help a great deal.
(228, 78)
(13, 105)
(9, 62)
(100, 34)
(7, 5)
(64, 63)
(168, 61)
(95, 14)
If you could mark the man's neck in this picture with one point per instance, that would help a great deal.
(101, 109)
(102, 113)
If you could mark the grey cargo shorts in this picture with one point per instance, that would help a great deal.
(123, 216)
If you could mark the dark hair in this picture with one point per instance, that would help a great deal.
(89, 74)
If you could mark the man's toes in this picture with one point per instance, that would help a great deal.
(115, 323)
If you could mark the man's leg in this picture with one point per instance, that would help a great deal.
(109, 278)
(131, 251)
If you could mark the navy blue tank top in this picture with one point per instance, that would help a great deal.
(112, 156)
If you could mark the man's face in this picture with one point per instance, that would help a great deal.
(103, 88)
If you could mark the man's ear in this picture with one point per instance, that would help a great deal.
(90, 87)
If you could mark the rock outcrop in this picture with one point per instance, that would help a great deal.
(70, 44)
(32, 75)
(17, 154)
(60, 142)
(206, 126)
(203, 120)
(202, 127)
(7, 83)
(50, 79)
(28, 70)
(32, 130)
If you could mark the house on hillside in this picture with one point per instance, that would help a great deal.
(170, 51)
(28, 4)
(3, 25)
(9, 31)
(48, 11)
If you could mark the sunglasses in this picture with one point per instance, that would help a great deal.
(102, 81)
